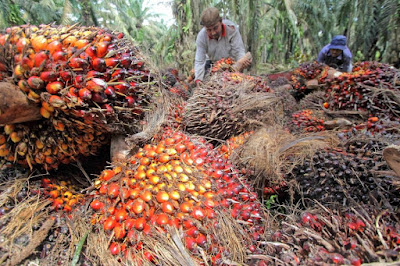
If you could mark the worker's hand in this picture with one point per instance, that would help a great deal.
(243, 62)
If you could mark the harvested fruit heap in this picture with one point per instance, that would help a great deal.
(177, 182)
(347, 236)
(372, 87)
(229, 104)
(87, 81)
(33, 218)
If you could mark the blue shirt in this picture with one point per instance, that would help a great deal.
(343, 61)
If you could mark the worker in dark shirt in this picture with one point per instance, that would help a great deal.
(337, 54)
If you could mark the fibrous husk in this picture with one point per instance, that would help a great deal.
(229, 104)
(273, 152)
(344, 236)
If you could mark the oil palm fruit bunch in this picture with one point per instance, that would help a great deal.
(308, 71)
(344, 236)
(181, 182)
(308, 121)
(49, 143)
(87, 82)
(337, 177)
(372, 87)
(228, 105)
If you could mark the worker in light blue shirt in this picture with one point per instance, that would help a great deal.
(219, 38)
(337, 54)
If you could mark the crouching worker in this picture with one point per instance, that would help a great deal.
(337, 54)
(219, 38)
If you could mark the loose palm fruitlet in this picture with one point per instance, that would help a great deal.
(80, 77)
(229, 104)
(179, 181)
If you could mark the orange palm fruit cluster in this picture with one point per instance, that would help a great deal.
(308, 121)
(86, 80)
(48, 144)
(234, 143)
(176, 181)
(62, 194)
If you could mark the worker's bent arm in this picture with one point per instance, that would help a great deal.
(200, 58)
(236, 42)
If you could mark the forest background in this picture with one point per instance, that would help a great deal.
(281, 34)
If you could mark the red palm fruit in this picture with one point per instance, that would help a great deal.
(40, 58)
(140, 223)
(48, 76)
(167, 207)
(146, 196)
(198, 213)
(162, 196)
(91, 51)
(201, 240)
(186, 207)
(78, 81)
(56, 101)
(106, 174)
(114, 248)
(97, 205)
(120, 215)
(126, 60)
(130, 100)
(35, 82)
(138, 206)
(18, 71)
(21, 44)
(119, 231)
(109, 223)
(129, 224)
(69, 41)
(101, 49)
(190, 243)
(98, 97)
(113, 190)
(96, 85)
(110, 92)
(39, 43)
(26, 63)
(23, 85)
(81, 43)
(44, 112)
(99, 64)
(94, 74)
(192, 232)
(66, 75)
(162, 219)
(112, 62)
(59, 56)
(118, 74)
(54, 46)
(2, 139)
(77, 62)
(122, 88)
(54, 87)
(108, 109)
(85, 94)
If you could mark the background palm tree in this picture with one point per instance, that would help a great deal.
(279, 33)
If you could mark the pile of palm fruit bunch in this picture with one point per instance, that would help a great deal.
(87, 82)
(178, 187)
(230, 103)
(35, 219)
(347, 236)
